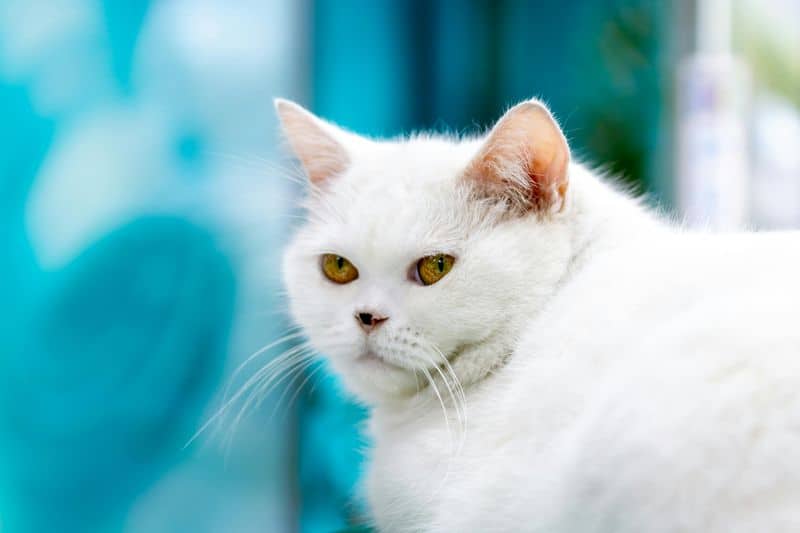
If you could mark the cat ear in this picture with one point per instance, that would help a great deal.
(318, 145)
(525, 158)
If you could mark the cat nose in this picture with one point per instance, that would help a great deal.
(370, 321)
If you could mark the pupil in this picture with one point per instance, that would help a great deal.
(340, 263)
(440, 263)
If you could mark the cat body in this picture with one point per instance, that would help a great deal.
(618, 415)
(584, 366)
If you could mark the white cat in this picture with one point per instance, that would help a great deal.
(600, 369)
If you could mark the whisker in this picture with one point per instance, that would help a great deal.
(269, 382)
(294, 334)
(297, 373)
(462, 397)
(316, 380)
(273, 378)
(446, 475)
(227, 402)
(456, 405)
(441, 402)
(263, 165)
(297, 391)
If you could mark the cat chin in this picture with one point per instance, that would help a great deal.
(371, 359)
(374, 380)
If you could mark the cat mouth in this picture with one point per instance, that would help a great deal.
(370, 357)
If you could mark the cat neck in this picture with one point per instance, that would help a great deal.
(603, 216)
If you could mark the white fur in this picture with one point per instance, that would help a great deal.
(620, 374)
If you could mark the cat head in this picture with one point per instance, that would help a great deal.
(424, 256)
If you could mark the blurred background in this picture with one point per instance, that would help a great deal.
(144, 202)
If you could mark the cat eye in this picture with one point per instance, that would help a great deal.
(338, 269)
(432, 268)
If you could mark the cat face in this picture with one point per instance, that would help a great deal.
(418, 255)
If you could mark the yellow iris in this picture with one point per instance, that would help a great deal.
(434, 267)
(338, 269)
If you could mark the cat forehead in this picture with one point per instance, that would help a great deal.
(402, 215)
(408, 181)
(412, 163)
(399, 198)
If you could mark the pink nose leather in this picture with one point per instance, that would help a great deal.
(370, 321)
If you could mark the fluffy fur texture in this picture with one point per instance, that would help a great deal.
(583, 367)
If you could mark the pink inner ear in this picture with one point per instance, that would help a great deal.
(321, 155)
(526, 153)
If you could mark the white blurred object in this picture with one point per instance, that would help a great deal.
(770, 32)
(776, 173)
(713, 90)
